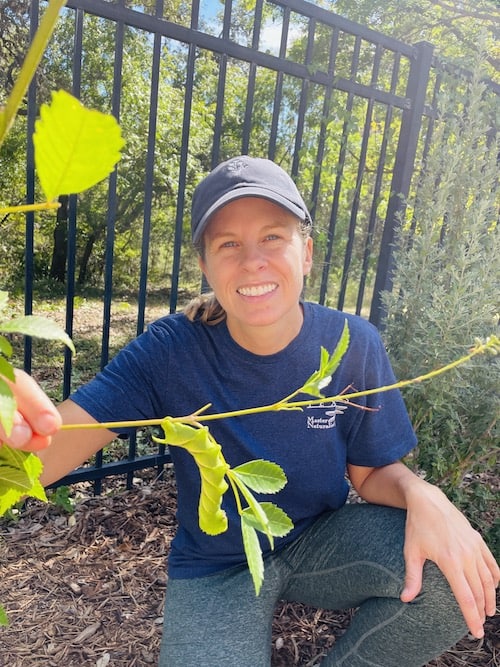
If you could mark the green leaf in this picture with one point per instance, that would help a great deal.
(5, 347)
(7, 370)
(4, 621)
(19, 477)
(261, 476)
(7, 407)
(75, 147)
(253, 553)
(328, 365)
(279, 523)
(40, 327)
(15, 479)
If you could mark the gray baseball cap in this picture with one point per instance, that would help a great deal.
(244, 176)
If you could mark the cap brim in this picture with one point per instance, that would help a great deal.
(250, 191)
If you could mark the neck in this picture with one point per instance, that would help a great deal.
(266, 339)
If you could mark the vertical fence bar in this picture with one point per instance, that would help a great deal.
(338, 181)
(72, 214)
(149, 175)
(403, 169)
(357, 190)
(181, 195)
(377, 188)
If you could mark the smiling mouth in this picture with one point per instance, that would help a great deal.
(257, 290)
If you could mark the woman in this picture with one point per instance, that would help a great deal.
(409, 561)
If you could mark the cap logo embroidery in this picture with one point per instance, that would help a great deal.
(236, 165)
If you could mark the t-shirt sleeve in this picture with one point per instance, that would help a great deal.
(381, 432)
(129, 386)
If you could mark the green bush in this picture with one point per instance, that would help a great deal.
(445, 295)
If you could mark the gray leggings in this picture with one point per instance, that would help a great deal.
(349, 558)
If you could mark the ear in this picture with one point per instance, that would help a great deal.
(201, 264)
(308, 256)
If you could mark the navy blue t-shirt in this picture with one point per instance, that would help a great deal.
(178, 366)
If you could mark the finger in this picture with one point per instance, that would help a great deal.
(466, 598)
(35, 406)
(413, 579)
(490, 574)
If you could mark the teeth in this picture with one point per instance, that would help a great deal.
(257, 290)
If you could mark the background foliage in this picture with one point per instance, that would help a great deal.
(445, 295)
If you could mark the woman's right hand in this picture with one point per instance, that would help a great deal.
(36, 418)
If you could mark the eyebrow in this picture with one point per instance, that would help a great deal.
(266, 228)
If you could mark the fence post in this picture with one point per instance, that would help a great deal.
(403, 169)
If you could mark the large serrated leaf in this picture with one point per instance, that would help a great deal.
(19, 473)
(75, 147)
(40, 327)
(253, 553)
(16, 479)
(279, 523)
(261, 476)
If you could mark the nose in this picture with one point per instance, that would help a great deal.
(253, 258)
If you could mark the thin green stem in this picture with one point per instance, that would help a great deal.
(24, 208)
(492, 343)
(28, 69)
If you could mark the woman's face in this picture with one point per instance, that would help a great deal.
(255, 259)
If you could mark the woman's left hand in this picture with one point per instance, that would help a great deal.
(436, 530)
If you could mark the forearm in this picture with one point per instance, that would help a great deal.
(394, 485)
(69, 449)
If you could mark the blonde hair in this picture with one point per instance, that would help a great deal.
(206, 307)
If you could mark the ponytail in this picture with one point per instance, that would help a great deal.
(205, 308)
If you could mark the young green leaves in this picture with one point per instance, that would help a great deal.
(327, 367)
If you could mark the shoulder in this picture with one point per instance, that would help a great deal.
(325, 318)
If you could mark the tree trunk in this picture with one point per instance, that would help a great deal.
(60, 248)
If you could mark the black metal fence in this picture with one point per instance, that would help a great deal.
(346, 110)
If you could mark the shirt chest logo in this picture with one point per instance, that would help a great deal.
(324, 415)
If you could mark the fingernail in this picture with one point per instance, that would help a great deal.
(46, 423)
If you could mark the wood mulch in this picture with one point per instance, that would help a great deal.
(86, 589)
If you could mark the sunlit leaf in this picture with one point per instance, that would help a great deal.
(19, 477)
(253, 553)
(5, 347)
(32, 325)
(16, 479)
(75, 147)
(279, 523)
(261, 476)
(328, 365)
(7, 370)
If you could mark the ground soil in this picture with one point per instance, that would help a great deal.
(86, 589)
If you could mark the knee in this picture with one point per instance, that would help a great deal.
(439, 604)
